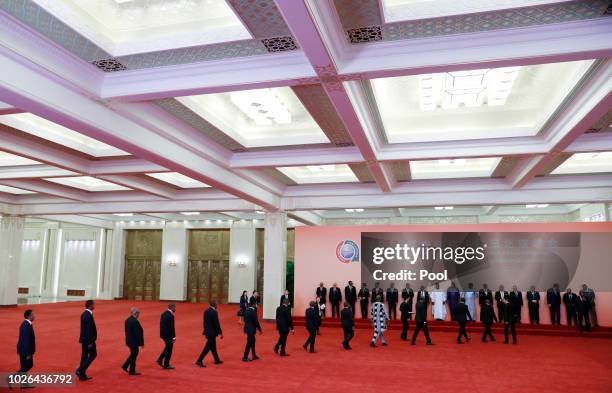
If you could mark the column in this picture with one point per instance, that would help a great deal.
(11, 239)
(242, 267)
(116, 263)
(275, 261)
(173, 280)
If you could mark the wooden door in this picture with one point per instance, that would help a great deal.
(142, 270)
(208, 265)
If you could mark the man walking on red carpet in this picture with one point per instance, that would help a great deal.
(421, 321)
(168, 334)
(487, 316)
(212, 329)
(26, 346)
(134, 338)
(312, 325)
(462, 315)
(284, 325)
(87, 338)
(251, 326)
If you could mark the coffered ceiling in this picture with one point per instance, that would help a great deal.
(233, 108)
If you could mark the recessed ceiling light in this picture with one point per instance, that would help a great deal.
(349, 210)
(123, 214)
(259, 212)
(358, 210)
(190, 213)
(537, 206)
(263, 106)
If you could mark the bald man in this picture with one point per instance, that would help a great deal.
(134, 338)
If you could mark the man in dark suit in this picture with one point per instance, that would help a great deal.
(392, 299)
(26, 345)
(350, 295)
(405, 316)
(168, 334)
(424, 296)
(284, 296)
(462, 315)
(583, 308)
(347, 320)
(212, 329)
(421, 321)
(284, 325)
(487, 316)
(364, 300)
(570, 300)
(134, 338)
(251, 326)
(311, 326)
(376, 292)
(87, 338)
(553, 300)
(485, 294)
(500, 295)
(516, 300)
(589, 295)
(408, 293)
(533, 303)
(321, 293)
(510, 318)
(335, 297)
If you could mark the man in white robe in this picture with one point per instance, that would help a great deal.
(438, 303)
(470, 296)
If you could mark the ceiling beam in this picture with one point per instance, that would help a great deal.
(142, 183)
(588, 106)
(77, 219)
(32, 171)
(119, 166)
(306, 217)
(6, 109)
(49, 188)
(296, 157)
(305, 31)
(26, 85)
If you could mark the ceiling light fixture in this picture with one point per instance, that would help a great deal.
(537, 206)
(263, 106)
(123, 214)
(451, 90)
(190, 213)
(321, 168)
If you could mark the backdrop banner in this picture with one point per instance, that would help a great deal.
(493, 258)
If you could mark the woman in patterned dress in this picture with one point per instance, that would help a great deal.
(379, 321)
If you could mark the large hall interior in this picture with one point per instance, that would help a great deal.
(157, 152)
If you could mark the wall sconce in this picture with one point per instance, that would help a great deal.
(172, 263)
(242, 262)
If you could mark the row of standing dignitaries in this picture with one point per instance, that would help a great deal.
(580, 307)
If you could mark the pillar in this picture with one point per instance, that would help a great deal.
(116, 264)
(11, 239)
(173, 280)
(242, 264)
(275, 261)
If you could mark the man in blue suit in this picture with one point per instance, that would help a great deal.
(26, 345)
(212, 329)
(87, 338)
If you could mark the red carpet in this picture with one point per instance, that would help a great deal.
(536, 364)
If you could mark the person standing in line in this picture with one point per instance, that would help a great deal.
(211, 329)
(452, 299)
(376, 292)
(244, 303)
(487, 317)
(347, 319)
(420, 317)
(589, 295)
(285, 296)
(392, 299)
(26, 347)
(254, 300)
(320, 313)
(462, 315)
(509, 320)
(516, 301)
(134, 339)
(284, 325)
(424, 296)
(379, 322)
(335, 297)
(364, 300)
(321, 293)
(583, 307)
(533, 303)
(485, 294)
(251, 326)
(87, 338)
(501, 295)
(570, 300)
(408, 294)
(311, 327)
(438, 303)
(553, 300)
(168, 334)
(470, 296)
(350, 295)
(405, 313)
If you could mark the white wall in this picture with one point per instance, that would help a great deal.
(32, 259)
(242, 247)
(79, 263)
(173, 280)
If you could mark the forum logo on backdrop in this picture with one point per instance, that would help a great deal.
(347, 251)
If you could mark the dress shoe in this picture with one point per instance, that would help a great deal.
(168, 367)
(430, 343)
(246, 359)
(284, 354)
(218, 361)
(255, 357)
(313, 351)
(384, 344)
(200, 364)
(124, 369)
(372, 345)
(276, 349)
(160, 363)
(135, 373)
(459, 342)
